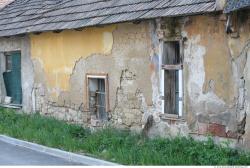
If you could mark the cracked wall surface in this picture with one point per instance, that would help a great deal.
(240, 52)
(128, 54)
(207, 86)
(217, 88)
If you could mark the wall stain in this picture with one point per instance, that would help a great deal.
(58, 53)
(217, 61)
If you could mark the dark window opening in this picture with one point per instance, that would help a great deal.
(232, 26)
(172, 67)
(171, 53)
(97, 97)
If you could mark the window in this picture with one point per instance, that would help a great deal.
(173, 83)
(8, 62)
(97, 96)
(232, 26)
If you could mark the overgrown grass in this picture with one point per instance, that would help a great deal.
(117, 145)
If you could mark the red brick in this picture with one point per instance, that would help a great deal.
(217, 130)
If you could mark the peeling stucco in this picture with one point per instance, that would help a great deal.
(129, 53)
(58, 52)
(210, 31)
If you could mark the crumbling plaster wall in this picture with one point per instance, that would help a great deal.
(209, 84)
(240, 51)
(216, 89)
(27, 75)
(216, 79)
(126, 62)
(207, 76)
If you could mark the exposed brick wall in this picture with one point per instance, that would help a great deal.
(215, 130)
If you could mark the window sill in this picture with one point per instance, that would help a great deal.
(11, 106)
(171, 117)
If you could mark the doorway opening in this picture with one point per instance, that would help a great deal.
(12, 77)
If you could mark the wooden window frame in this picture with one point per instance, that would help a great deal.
(98, 76)
(174, 67)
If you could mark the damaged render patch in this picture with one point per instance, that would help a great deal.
(130, 103)
(241, 66)
(202, 104)
(129, 55)
(59, 52)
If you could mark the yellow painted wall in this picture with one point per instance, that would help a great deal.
(58, 53)
(217, 60)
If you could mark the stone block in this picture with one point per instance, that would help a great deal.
(231, 134)
(202, 128)
(95, 123)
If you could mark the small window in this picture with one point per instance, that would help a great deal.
(8, 62)
(232, 27)
(97, 96)
(172, 70)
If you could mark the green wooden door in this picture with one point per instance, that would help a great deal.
(12, 79)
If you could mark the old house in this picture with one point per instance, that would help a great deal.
(179, 67)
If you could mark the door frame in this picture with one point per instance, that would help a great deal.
(12, 52)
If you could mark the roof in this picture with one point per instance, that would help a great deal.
(26, 16)
(3, 3)
(233, 5)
